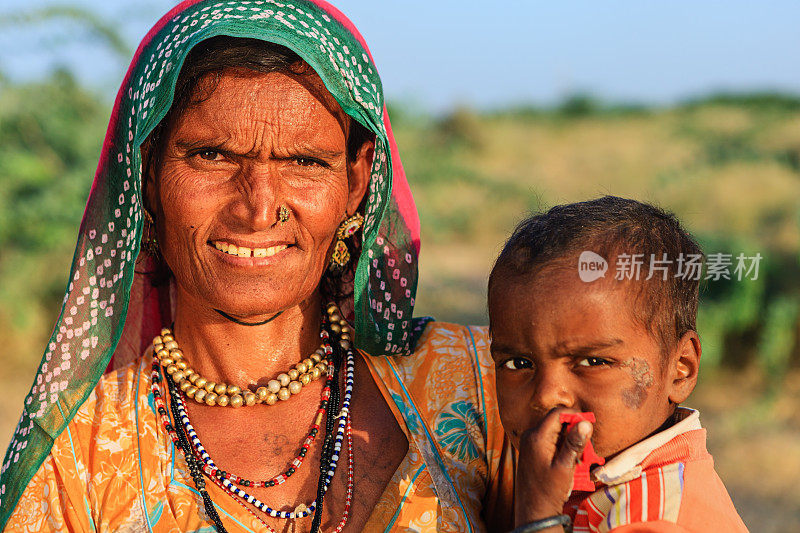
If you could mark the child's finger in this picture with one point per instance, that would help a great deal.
(539, 443)
(573, 444)
(544, 436)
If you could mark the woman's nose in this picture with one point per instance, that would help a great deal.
(552, 390)
(260, 186)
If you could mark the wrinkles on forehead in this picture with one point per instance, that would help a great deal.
(318, 95)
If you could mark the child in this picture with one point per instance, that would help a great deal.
(592, 308)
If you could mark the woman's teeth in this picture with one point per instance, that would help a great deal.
(244, 251)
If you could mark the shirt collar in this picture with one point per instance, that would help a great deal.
(627, 464)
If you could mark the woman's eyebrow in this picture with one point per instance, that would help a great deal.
(186, 144)
(312, 151)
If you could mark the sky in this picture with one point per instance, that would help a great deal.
(438, 54)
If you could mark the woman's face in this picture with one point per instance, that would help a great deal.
(231, 161)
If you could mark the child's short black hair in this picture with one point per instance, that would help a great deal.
(611, 226)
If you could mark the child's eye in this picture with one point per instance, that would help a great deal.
(517, 363)
(593, 361)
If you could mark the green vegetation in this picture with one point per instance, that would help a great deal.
(50, 138)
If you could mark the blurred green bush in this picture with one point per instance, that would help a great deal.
(50, 137)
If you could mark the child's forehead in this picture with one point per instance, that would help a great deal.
(557, 298)
(563, 278)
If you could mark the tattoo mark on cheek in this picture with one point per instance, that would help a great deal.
(639, 369)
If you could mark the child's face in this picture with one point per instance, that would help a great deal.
(561, 342)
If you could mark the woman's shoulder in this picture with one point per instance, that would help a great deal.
(105, 429)
(115, 397)
(445, 393)
(451, 364)
(448, 344)
(92, 459)
(446, 335)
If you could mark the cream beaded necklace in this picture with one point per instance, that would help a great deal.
(282, 387)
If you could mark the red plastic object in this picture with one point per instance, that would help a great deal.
(581, 479)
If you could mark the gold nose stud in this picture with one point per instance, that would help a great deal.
(283, 214)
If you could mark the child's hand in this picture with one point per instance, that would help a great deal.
(546, 465)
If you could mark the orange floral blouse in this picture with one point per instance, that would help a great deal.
(115, 469)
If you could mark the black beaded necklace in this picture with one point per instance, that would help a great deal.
(194, 466)
(196, 471)
(327, 447)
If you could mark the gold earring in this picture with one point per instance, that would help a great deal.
(149, 240)
(283, 214)
(348, 228)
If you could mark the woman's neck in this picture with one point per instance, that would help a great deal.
(221, 349)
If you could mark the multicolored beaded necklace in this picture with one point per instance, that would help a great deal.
(348, 496)
(230, 486)
(199, 461)
(209, 467)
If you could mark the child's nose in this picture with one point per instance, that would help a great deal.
(552, 391)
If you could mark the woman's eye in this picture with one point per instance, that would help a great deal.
(593, 361)
(209, 155)
(307, 161)
(517, 363)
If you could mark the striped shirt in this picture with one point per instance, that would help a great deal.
(665, 483)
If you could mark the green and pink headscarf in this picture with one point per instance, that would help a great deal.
(110, 313)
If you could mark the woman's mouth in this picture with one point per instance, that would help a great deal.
(245, 251)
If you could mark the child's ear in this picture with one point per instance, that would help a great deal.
(684, 366)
